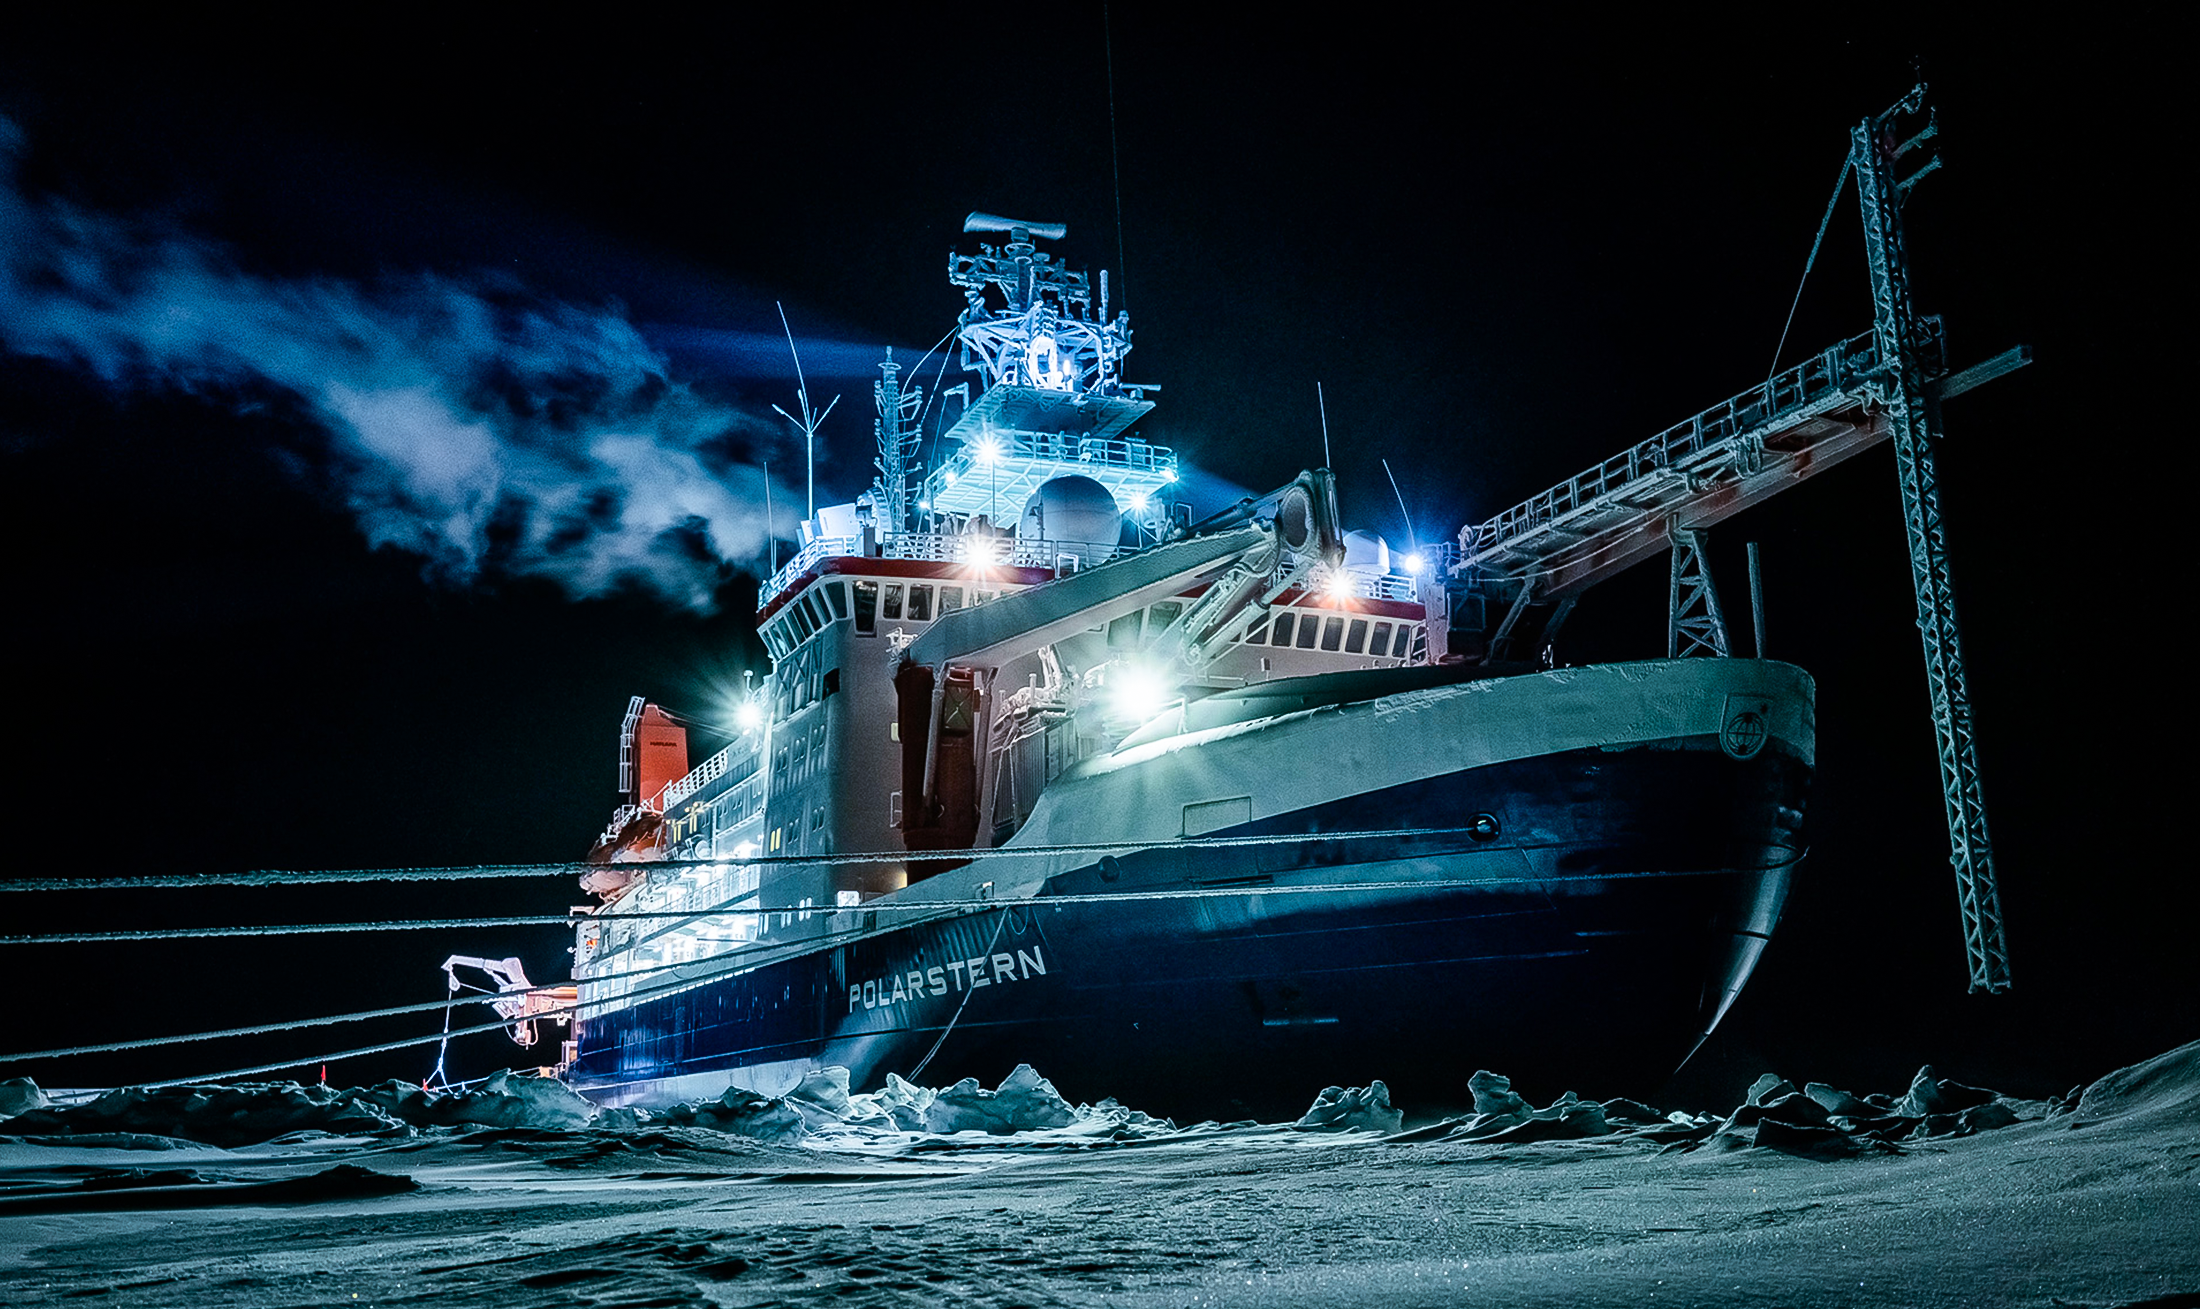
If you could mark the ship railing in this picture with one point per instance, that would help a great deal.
(710, 770)
(988, 550)
(1060, 447)
(1672, 453)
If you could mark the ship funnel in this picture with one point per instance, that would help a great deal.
(977, 222)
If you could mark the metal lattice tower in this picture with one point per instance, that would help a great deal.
(1903, 341)
(897, 445)
(1695, 624)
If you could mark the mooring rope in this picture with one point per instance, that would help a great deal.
(312, 877)
(733, 909)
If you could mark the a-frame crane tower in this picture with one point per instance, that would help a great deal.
(1523, 569)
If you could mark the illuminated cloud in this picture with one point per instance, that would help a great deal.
(469, 421)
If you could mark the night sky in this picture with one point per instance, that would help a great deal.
(260, 621)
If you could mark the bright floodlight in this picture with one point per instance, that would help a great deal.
(1340, 585)
(749, 716)
(988, 450)
(1413, 563)
(1168, 474)
(1138, 504)
(1136, 692)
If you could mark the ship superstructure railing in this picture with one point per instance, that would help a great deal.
(741, 758)
(1106, 452)
(1695, 472)
(986, 550)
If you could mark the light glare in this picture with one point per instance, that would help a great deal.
(1137, 692)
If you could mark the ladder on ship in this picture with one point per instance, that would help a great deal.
(1662, 494)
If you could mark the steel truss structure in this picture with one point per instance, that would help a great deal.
(1663, 494)
(1911, 415)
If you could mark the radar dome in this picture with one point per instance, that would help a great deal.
(1071, 516)
(1365, 552)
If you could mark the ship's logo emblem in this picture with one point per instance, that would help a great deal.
(1748, 724)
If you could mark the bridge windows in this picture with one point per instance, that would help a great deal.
(891, 608)
(838, 596)
(1332, 634)
(866, 608)
(1355, 636)
(1379, 644)
(920, 603)
(951, 598)
(1284, 622)
(1123, 632)
(1310, 631)
(1160, 616)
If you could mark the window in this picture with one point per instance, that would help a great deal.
(866, 608)
(1380, 645)
(1310, 630)
(892, 607)
(1283, 628)
(951, 597)
(802, 624)
(920, 604)
(1355, 637)
(1259, 634)
(1332, 634)
(1160, 616)
(1123, 632)
(838, 595)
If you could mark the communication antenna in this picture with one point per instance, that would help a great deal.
(771, 528)
(1115, 153)
(808, 423)
(1325, 424)
(1413, 542)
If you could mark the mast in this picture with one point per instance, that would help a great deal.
(897, 444)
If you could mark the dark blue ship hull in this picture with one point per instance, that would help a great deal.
(1588, 941)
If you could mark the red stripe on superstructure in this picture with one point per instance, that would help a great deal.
(1353, 604)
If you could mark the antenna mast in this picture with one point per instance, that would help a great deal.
(808, 423)
(897, 443)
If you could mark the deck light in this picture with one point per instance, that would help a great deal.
(1136, 691)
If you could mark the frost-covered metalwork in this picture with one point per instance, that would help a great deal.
(1907, 347)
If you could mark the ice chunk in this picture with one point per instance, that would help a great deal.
(823, 1088)
(245, 1114)
(20, 1095)
(1024, 1102)
(1770, 1086)
(1632, 1112)
(1493, 1094)
(1930, 1094)
(742, 1112)
(1359, 1108)
(511, 1099)
(1837, 1101)
(903, 1102)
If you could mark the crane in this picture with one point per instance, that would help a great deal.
(1660, 496)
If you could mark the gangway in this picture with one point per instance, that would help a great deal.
(1661, 495)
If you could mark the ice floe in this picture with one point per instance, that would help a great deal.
(822, 1112)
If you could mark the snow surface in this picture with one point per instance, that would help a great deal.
(520, 1193)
